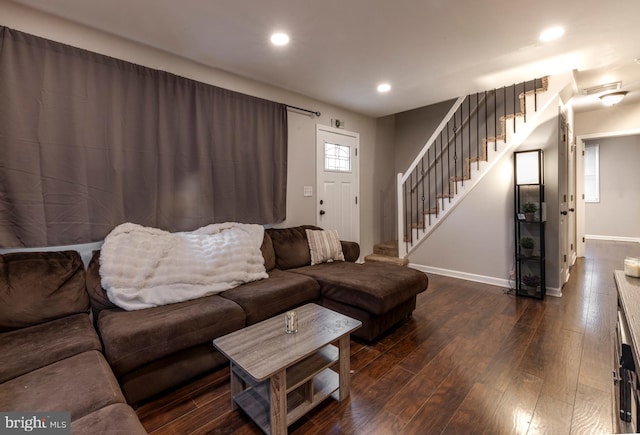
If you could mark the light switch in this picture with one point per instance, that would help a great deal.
(308, 190)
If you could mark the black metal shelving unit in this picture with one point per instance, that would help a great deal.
(530, 231)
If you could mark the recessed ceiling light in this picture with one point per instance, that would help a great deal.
(279, 39)
(384, 87)
(551, 34)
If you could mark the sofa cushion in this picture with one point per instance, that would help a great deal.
(27, 349)
(134, 338)
(350, 250)
(274, 295)
(268, 253)
(36, 287)
(97, 295)
(375, 287)
(324, 246)
(291, 246)
(167, 372)
(113, 419)
(79, 385)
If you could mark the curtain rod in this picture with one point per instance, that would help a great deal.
(311, 112)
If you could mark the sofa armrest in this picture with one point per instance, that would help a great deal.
(351, 251)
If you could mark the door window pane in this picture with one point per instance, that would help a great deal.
(337, 157)
(592, 173)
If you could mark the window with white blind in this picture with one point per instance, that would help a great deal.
(592, 173)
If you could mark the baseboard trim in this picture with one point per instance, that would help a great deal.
(498, 282)
(612, 238)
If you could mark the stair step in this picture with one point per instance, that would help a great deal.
(386, 259)
(389, 248)
(460, 178)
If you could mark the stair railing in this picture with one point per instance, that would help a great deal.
(460, 140)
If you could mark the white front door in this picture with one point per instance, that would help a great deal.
(337, 182)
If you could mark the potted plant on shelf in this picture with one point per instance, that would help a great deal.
(527, 244)
(529, 209)
(531, 283)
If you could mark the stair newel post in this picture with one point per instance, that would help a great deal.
(401, 215)
(410, 229)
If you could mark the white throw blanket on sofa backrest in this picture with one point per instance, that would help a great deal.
(143, 267)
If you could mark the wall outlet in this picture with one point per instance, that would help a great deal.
(337, 123)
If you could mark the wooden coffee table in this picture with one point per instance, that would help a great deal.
(276, 377)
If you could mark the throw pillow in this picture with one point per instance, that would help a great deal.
(324, 246)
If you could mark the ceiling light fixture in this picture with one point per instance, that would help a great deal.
(551, 34)
(279, 39)
(384, 88)
(612, 98)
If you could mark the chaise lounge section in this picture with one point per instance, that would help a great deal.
(379, 295)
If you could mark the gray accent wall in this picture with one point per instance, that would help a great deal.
(617, 215)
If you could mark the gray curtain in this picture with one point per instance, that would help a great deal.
(88, 142)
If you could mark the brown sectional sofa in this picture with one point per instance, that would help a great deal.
(50, 355)
(154, 349)
(157, 348)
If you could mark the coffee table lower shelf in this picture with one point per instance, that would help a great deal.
(308, 383)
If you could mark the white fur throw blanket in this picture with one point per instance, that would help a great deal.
(143, 267)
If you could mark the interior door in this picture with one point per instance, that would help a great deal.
(337, 182)
(563, 192)
(572, 233)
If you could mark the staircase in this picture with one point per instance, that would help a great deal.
(387, 252)
(476, 132)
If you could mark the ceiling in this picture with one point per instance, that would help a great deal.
(428, 50)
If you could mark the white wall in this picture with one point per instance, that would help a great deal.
(619, 118)
(617, 215)
(301, 164)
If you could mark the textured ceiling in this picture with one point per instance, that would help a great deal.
(430, 50)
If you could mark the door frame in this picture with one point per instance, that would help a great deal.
(356, 165)
(580, 205)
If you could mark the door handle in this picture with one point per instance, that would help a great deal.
(564, 212)
(572, 210)
(322, 212)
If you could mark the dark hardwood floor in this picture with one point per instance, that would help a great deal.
(472, 359)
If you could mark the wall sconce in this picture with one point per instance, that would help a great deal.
(613, 98)
(529, 167)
